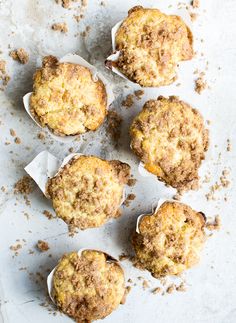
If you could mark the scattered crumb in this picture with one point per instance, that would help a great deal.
(219, 185)
(129, 198)
(17, 140)
(130, 281)
(138, 94)
(12, 132)
(196, 3)
(3, 189)
(200, 83)
(171, 288)
(229, 147)
(193, 16)
(84, 3)
(4, 77)
(20, 55)
(42, 246)
(23, 186)
(62, 27)
(129, 101)
(131, 182)
(156, 290)
(181, 288)
(16, 247)
(114, 125)
(145, 284)
(48, 214)
(127, 290)
(65, 3)
(86, 31)
(216, 225)
(41, 135)
(71, 149)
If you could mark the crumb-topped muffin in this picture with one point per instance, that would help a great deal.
(151, 44)
(88, 191)
(67, 99)
(170, 240)
(88, 286)
(170, 138)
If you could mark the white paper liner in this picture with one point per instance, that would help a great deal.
(154, 210)
(183, 13)
(75, 59)
(45, 165)
(50, 276)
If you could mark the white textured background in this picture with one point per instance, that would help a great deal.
(211, 292)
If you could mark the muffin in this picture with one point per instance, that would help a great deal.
(67, 99)
(88, 191)
(169, 137)
(170, 240)
(88, 286)
(151, 45)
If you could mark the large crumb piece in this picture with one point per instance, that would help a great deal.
(20, 55)
(62, 27)
(129, 101)
(171, 288)
(42, 246)
(114, 125)
(132, 182)
(24, 186)
(181, 287)
(200, 84)
(138, 94)
(4, 78)
(156, 290)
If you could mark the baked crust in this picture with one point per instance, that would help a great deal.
(170, 138)
(170, 239)
(66, 99)
(88, 191)
(89, 286)
(151, 44)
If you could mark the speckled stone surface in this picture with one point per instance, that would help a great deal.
(211, 292)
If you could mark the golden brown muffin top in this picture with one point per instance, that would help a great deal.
(88, 191)
(88, 286)
(170, 138)
(151, 44)
(170, 240)
(66, 98)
